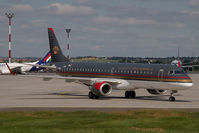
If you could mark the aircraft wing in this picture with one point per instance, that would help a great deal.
(52, 67)
(16, 69)
(191, 67)
(81, 80)
(195, 65)
(187, 66)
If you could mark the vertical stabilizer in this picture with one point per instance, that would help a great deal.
(46, 59)
(56, 53)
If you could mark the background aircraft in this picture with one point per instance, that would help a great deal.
(185, 66)
(18, 68)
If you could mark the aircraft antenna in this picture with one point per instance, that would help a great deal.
(10, 16)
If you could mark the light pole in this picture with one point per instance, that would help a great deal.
(10, 16)
(68, 43)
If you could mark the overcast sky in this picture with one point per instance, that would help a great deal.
(139, 28)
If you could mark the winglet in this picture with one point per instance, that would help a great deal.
(10, 69)
(45, 59)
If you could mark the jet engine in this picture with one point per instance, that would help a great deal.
(101, 88)
(190, 68)
(156, 92)
(17, 70)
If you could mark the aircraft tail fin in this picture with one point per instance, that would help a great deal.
(46, 59)
(55, 50)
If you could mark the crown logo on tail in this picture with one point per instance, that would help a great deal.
(55, 50)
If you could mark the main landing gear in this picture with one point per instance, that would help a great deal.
(172, 98)
(93, 96)
(130, 94)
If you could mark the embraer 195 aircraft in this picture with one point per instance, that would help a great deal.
(102, 78)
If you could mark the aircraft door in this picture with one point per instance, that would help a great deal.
(112, 70)
(160, 74)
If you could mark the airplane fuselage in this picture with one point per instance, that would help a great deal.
(20, 67)
(148, 76)
(102, 78)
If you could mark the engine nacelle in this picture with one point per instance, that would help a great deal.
(17, 70)
(190, 68)
(156, 92)
(101, 88)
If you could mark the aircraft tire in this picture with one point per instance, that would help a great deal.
(90, 95)
(132, 94)
(127, 94)
(96, 97)
(172, 98)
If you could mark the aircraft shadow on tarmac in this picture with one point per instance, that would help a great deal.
(153, 98)
(84, 96)
(158, 98)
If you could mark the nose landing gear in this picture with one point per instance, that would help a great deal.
(172, 98)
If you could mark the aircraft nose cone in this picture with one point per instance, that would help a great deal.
(190, 85)
(190, 82)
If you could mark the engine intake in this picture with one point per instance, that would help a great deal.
(101, 88)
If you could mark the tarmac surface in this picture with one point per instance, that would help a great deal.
(32, 93)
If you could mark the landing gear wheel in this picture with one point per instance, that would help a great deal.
(96, 97)
(127, 94)
(130, 94)
(92, 96)
(172, 98)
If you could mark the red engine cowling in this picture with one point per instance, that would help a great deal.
(101, 88)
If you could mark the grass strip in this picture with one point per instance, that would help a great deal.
(100, 122)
